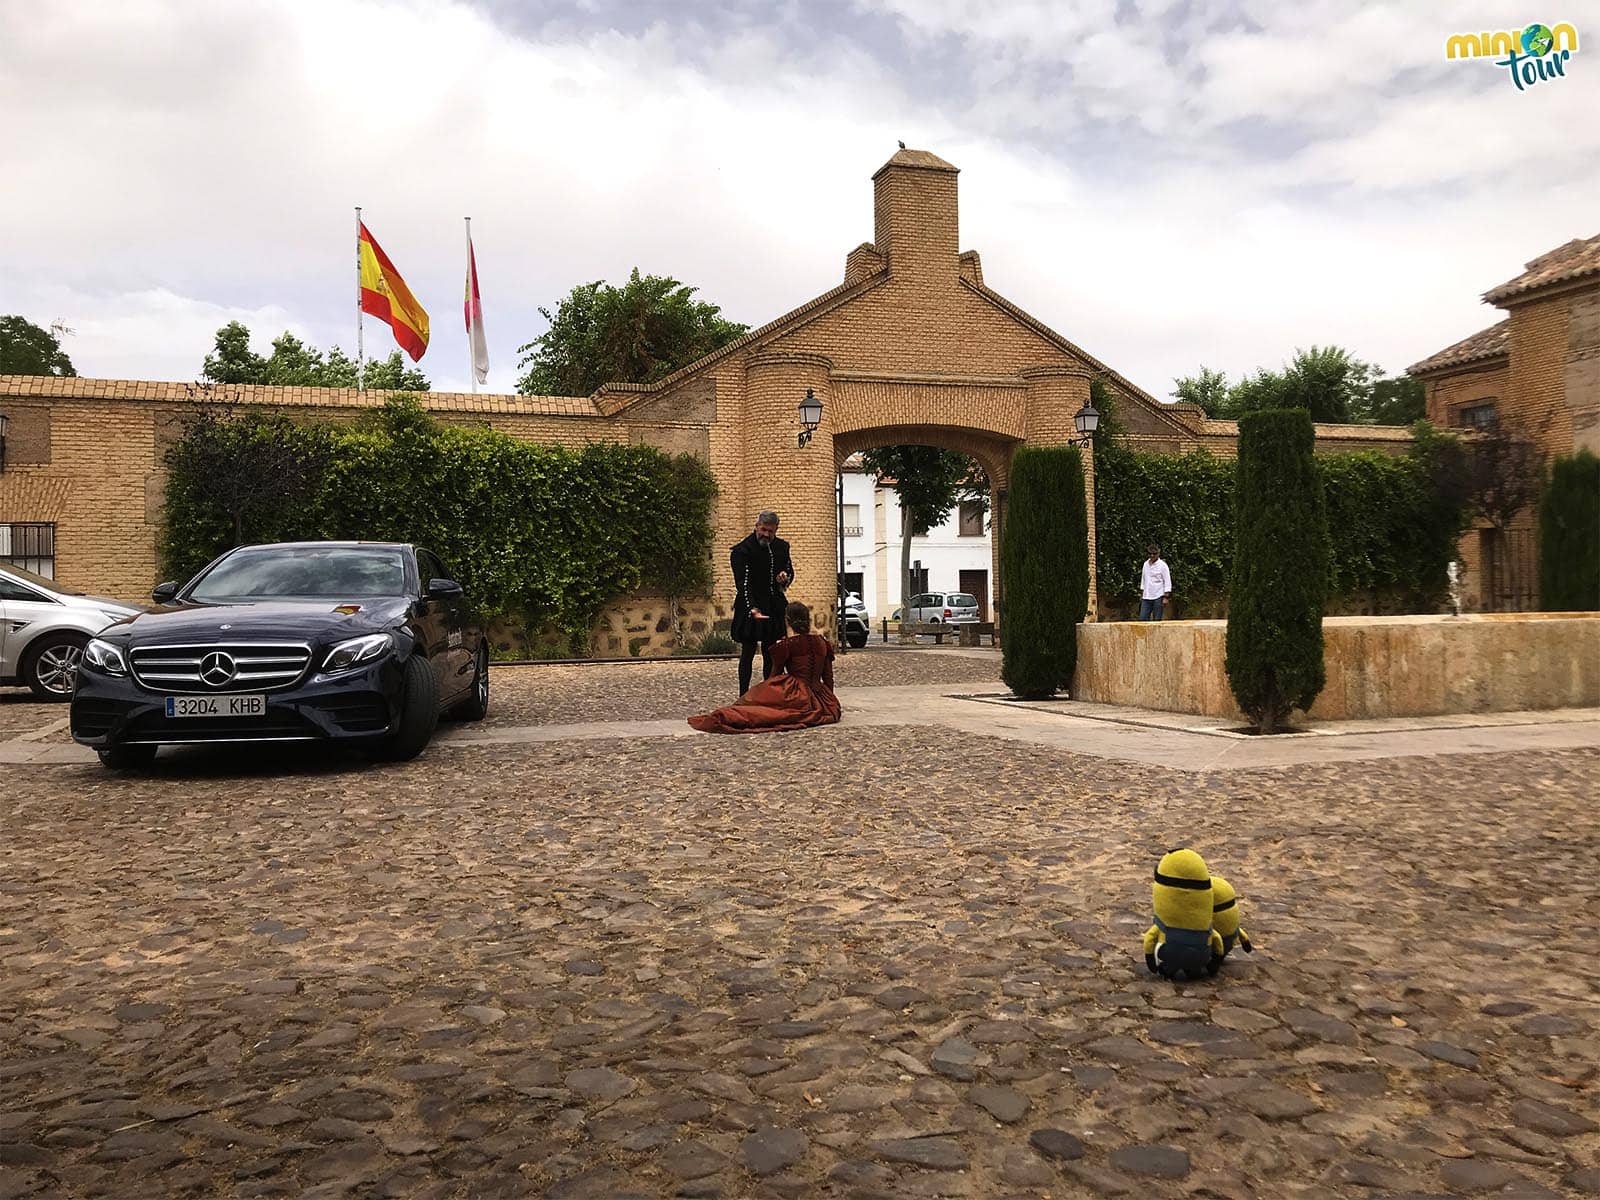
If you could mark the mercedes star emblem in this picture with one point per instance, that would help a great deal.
(217, 668)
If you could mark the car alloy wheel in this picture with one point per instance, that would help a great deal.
(56, 668)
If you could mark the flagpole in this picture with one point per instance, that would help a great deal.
(472, 361)
(360, 347)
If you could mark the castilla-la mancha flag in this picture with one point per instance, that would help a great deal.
(385, 295)
(473, 310)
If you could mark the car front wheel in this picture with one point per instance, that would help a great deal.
(856, 640)
(419, 713)
(52, 665)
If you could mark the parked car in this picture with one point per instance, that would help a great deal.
(944, 608)
(853, 619)
(44, 628)
(359, 642)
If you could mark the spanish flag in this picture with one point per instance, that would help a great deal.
(385, 295)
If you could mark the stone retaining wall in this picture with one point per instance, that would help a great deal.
(1399, 666)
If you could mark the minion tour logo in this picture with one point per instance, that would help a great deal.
(1532, 55)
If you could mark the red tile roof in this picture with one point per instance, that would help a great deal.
(1493, 342)
(1578, 258)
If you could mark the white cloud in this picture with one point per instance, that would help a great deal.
(172, 166)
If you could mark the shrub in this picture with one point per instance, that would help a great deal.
(1044, 570)
(718, 643)
(541, 531)
(1280, 569)
(1569, 535)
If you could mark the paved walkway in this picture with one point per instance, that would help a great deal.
(1173, 740)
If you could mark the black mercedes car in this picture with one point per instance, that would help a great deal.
(361, 642)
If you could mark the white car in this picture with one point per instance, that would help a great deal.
(944, 608)
(44, 628)
(854, 621)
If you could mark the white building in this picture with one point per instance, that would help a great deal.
(952, 557)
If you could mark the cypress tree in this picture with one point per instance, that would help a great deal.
(1280, 569)
(1044, 570)
(1569, 536)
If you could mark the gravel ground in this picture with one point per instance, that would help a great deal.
(869, 962)
(565, 694)
(19, 712)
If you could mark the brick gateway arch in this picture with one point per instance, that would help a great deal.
(912, 348)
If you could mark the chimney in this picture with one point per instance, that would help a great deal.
(914, 216)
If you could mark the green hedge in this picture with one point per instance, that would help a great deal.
(1569, 535)
(538, 531)
(1044, 570)
(1393, 533)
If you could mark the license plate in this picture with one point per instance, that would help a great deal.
(216, 706)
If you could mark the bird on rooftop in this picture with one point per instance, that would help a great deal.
(902, 145)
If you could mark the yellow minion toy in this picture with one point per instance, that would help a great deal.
(1182, 943)
(1226, 918)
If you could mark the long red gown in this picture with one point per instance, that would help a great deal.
(798, 693)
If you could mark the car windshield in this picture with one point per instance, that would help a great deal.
(302, 573)
(38, 581)
(963, 600)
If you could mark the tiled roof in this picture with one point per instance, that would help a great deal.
(50, 387)
(916, 158)
(1576, 259)
(1493, 342)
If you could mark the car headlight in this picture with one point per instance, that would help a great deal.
(105, 657)
(357, 651)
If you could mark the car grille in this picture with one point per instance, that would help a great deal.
(258, 666)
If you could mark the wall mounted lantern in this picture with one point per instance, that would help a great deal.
(1086, 421)
(4, 421)
(810, 416)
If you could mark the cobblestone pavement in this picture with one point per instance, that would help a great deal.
(560, 694)
(844, 962)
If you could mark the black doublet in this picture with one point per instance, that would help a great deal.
(756, 568)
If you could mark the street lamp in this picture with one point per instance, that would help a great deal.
(1086, 421)
(810, 416)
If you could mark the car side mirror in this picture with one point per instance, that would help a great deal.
(444, 589)
(164, 593)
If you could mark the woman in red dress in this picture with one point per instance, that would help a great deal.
(797, 694)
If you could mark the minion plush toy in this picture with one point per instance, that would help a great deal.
(1225, 917)
(1182, 944)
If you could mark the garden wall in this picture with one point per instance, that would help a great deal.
(1397, 666)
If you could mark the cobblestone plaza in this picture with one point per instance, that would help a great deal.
(885, 958)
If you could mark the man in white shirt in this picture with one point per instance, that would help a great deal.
(1155, 586)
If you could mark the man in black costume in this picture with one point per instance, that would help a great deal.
(761, 570)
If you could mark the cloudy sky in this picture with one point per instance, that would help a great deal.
(1166, 182)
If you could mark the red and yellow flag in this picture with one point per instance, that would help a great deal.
(385, 295)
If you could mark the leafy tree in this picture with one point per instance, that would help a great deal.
(25, 349)
(637, 333)
(292, 363)
(1399, 401)
(1280, 569)
(1325, 381)
(929, 482)
(1044, 570)
(1329, 382)
(1569, 536)
(1209, 390)
(258, 468)
(231, 359)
